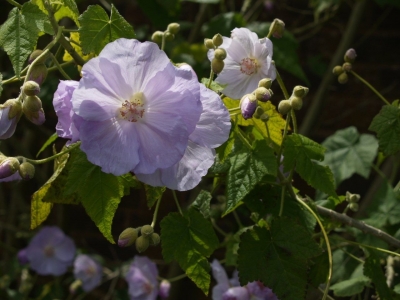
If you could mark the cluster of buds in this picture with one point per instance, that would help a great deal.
(38, 73)
(277, 28)
(341, 71)
(11, 165)
(146, 238)
(352, 199)
(32, 105)
(249, 102)
(295, 101)
(217, 64)
(168, 34)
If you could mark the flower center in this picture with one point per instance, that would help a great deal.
(133, 109)
(49, 251)
(248, 66)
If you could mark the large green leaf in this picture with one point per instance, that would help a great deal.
(387, 126)
(277, 257)
(189, 239)
(348, 153)
(373, 269)
(98, 29)
(300, 152)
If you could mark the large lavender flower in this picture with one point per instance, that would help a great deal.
(248, 60)
(88, 271)
(50, 252)
(135, 115)
(211, 131)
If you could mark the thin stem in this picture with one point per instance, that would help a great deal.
(372, 247)
(243, 139)
(177, 202)
(371, 87)
(176, 278)
(70, 30)
(217, 228)
(282, 200)
(281, 84)
(15, 3)
(211, 79)
(163, 41)
(294, 120)
(59, 67)
(45, 160)
(237, 219)
(352, 256)
(285, 131)
(153, 223)
(233, 109)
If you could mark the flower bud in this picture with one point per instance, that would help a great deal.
(276, 29)
(35, 54)
(220, 53)
(157, 37)
(26, 171)
(262, 94)
(31, 88)
(142, 243)
(352, 197)
(10, 113)
(284, 107)
(296, 102)
(258, 113)
(353, 206)
(36, 117)
(248, 105)
(31, 104)
(337, 70)
(22, 257)
(217, 40)
(127, 237)
(265, 82)
(347, 66)
(38, 73)
(154, 239)
(15, 108)
(217, 65)
(343, 78)
(169, 36)
(147, 230)
(209, 44)
(350, 55)
(165, 286)
(173, 28)
(300, 91)
(8, 167)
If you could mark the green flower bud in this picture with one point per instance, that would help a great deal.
(15, 108)
(38, 73)
(343, 78)
(347, 66)
(35, 54)
(300, 91)
(284, 107)
(217, 65)
(277, 28)
(296, 102)
(154, 239)
(259, 112)
(169, 36)
(142, 243)
(353, 206)
(266, 82)
(26, 170)
(157, 37)
(173, 28)
(31, 104)
(337, 70)
(220, 54)
(209, 43)
(352, 197)
(217, 40)
(262, 94)
(31, 88)
(128, 237)
(146, 230)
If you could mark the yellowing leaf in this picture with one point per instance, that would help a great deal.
(75, 42)
(62, 9)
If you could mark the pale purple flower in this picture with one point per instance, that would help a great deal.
(65, 128)
(50, 252)
(89, 271)
(165, 286)
(211, 131)
(142, 279)
(136, 113)
(248, 106)
(10, 113)
(249, 59)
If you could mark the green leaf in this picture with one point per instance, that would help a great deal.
(100, 193)
(19, 34)
(348, 153)
(153, 194)
(216, 87)
(61, 8)
(49, 141)
(223, 24)
(387, 126)
(350, 287)
(197, 241)
(247, 169)
(277, 257)
(372, 269)
(301, 152)
(202, 203)
(98, 29)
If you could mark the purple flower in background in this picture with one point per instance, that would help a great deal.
(88, 271)
(211, 131)
(260, 292)
(136, 111)
(50, 252)
(22, 258)
(142, 279)
(248, 60)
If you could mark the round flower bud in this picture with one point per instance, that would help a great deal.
(8, 167)
(26, 171)
(343, 78)
(300, 91)
(296, 102)
(266, 82)
(347, 66)
(354, 198)
(277, 28)
(209, 43)
(350, 55)
(157, 37)
(15, 108)
(165, 286)
(154, 239)
(147, 230)
(217, 40)
(36, 117)
(38, 73)
(258, 113)
(142, 243)
(169, 36)
(337, 70)
(127, 237)
(262, 94)
(284, 107)
(31, 104)
(220, 54)
(35, 54)
(31, 88)
(353, 206)
(248, 106)
(173, 28)
(217, 65)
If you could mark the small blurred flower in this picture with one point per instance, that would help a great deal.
(22, 258)
(88, 271)
(50, 252)
(165, 286)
